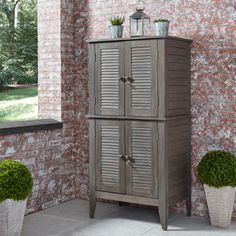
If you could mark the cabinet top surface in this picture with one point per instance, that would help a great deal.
(138, 38)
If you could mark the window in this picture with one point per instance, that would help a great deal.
(18, 60)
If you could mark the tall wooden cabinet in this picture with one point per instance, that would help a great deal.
(139, 118)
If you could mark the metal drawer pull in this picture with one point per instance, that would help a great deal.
(129, 80)
(129, 161)
(122, 79)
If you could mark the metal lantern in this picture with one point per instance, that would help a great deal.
(139, 21)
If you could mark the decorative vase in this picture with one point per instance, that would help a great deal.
(162, 28)
(116, 31)
(220, 203)
(11, 217)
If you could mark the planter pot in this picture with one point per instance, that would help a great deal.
(116, 31)
(162, 28)
(11, 217)
(220, 203)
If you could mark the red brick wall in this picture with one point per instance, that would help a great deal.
(81, 99)
(56, 78)
(211, 25)
(64, 27)
(41, 152)
(67, 97)
(49, 57)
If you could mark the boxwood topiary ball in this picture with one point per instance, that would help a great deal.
(218, 169)
(16, 182)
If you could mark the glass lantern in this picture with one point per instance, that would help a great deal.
(139, 21)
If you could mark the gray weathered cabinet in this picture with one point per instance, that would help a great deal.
(139, 118)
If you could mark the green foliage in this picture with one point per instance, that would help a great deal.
(117, 20)
(218, 169)
(16, 182)
(18, 42)
(161, 20)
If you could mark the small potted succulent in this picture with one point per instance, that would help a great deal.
(15, 186)
(116, 27)
(162, 27)
(217, 171)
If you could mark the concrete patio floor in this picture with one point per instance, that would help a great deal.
(72, 219)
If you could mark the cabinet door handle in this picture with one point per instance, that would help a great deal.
(129, 81)
(122, 157)
(129, 161)
(122, 79)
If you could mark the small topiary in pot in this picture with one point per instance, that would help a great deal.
(16, 182)
(217, 171)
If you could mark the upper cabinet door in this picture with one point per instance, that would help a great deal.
(141, 78)
(109, 74)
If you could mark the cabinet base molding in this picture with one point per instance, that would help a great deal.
(127, 198)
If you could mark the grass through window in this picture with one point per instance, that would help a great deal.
(19, 104)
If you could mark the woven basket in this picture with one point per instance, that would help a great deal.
(11, 217)
(220, 203)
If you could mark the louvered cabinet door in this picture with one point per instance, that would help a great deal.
(142, 171)
(141, 72)
(109, 71)
(110, 168)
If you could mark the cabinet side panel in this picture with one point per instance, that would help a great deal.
(161, 71)
(179, 158)
(92, 165)
(177, 78)
(91, 67)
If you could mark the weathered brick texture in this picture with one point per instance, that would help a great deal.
(64, 27)
(56, 79)
(49, 55)
(211, 24)
(41, 152)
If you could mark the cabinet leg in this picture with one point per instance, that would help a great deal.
(189, 206)
(163, 214)
(92, 206)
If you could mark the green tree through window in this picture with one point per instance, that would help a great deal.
(18, 42)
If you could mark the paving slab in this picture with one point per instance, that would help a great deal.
(72, 219)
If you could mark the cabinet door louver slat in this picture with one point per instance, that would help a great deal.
(110, 66)
(110, 164)
(109, 88)
(142, 178)
(109, 136)
(142, 175)
(142, 80)
(140, 64)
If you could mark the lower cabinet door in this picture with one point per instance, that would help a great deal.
(110, 149)
(141, 148)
